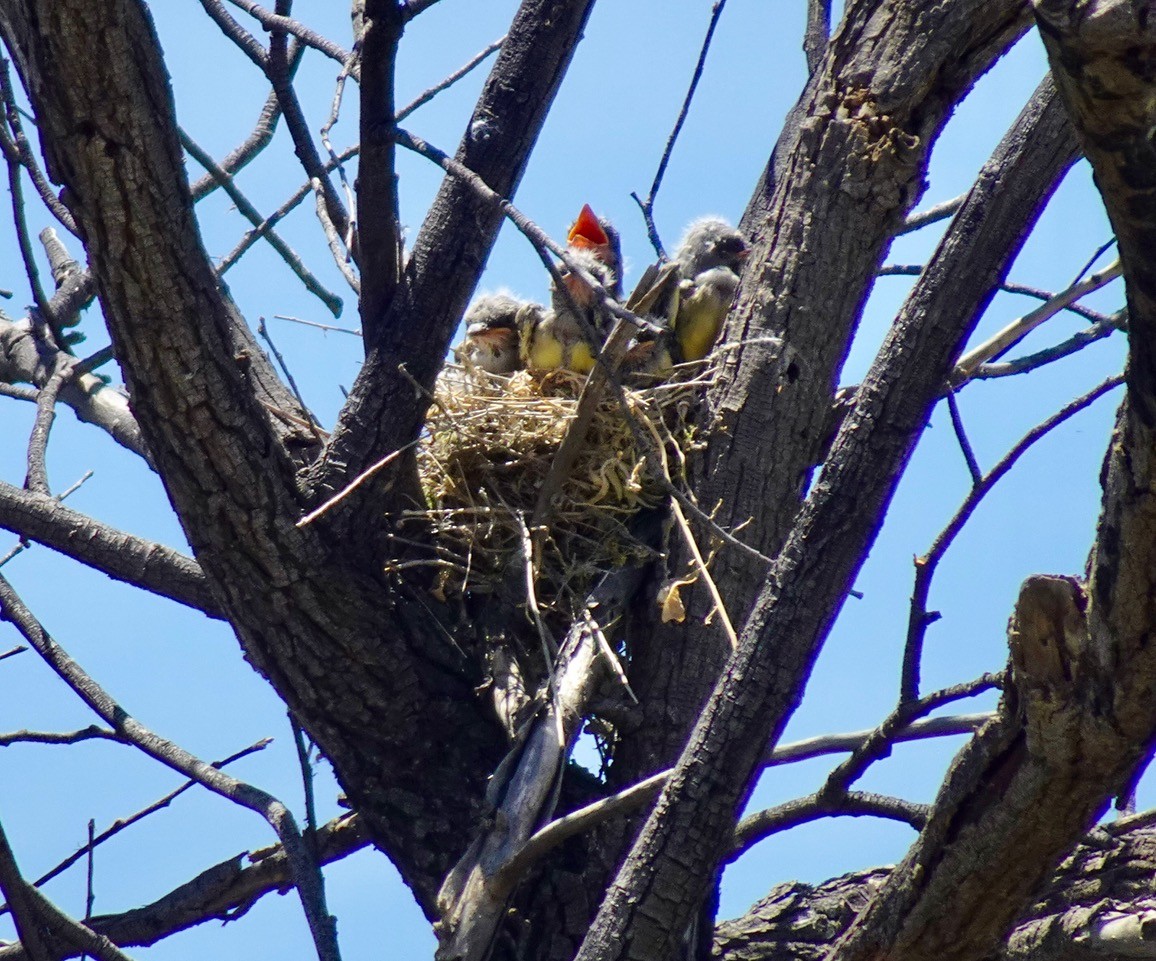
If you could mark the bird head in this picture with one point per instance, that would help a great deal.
(711, 242)
(491, 314)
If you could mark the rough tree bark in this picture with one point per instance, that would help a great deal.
(371, 674)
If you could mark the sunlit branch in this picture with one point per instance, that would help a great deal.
(922, 218)
(36, 917)
(1077, 342)
(919, 618)
(1019, 328)
(427, 95)
(259, 138)
(248, 44)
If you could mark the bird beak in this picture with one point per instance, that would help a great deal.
(484, 331)
(587, 231)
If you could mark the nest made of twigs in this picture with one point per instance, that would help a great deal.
(489, 444)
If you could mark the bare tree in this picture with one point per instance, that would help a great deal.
(448, 724)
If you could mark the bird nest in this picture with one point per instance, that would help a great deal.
(489, 445)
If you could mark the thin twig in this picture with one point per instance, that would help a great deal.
(1007, 286)
(250, 237)
(704, 573)
(1096, 255)
(961, 436)
(920, 730)
(311, 421)
(931, 215)
(757, 827)
(919, 618)
(259, 138)
(647, 205)
(306, 766)
(337, 246)
(171, 755)
(355, 331)
(24, 240)
(27, 158)
(310, 38)
(90, 873)
(427, 95)
(92, 732)
(549, 645)
(549, 837)
(249, 212)
(24, 544)
(12, 652)
(37, 476)
(878, 743)
(277, 70)
(353, 485)
(351, 65)
(1077, 342)
(122, 824)
(1019, 328)
(33, 908)
(25, 906)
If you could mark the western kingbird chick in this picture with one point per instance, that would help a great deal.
(491, 341)
(709, 260)
(650, 358)
(653, 354)
(598, 235)
(571, 334)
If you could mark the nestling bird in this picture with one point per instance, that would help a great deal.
(491, 341)
(654, 352)
(651, 357)
(709, 260)
(571, 334)
(597, 234)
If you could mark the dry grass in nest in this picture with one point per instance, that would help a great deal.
(489, 445)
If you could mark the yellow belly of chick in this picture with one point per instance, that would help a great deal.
(700, 319)
(548, 351)
(581, 359)
(545, 353)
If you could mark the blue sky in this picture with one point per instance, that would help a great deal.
(184, 676)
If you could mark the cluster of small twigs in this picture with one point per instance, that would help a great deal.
(489, 445)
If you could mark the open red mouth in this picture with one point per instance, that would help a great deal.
(587, 231)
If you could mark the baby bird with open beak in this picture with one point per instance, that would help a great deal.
(597, 235)
(709, 260)
(571, 334)
(491, 341)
